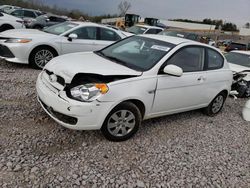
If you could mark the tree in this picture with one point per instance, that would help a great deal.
(123, 7)
(229, 27)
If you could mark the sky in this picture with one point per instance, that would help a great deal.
(237, 11)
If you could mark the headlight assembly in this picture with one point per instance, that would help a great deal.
(18, 41)
(89, 92)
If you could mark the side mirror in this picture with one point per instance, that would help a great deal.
(173, 70)
(72, 36)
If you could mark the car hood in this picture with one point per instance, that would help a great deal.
(67, 66)
(239, 68)
(25, 33)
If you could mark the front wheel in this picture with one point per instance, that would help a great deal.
(216, 105)
(40, 56)
(122, 122)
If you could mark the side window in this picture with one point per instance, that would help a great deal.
(158, 31)
(190, 59)
(215, 60)
(86, 33)
(108, 35)
(29, 14)
(18, 13)
(151, 31)
(52, 19)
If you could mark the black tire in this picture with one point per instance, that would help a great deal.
(212, 109)
(33, 60)
(5, 27)
(131, 111)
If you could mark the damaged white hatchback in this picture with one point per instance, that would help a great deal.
(138, 78)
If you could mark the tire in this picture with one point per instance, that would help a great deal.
(216, 105)
(5, 27)
(40, 56)
(117, 121)
(38, 27)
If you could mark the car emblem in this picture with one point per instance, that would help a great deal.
(53, 78)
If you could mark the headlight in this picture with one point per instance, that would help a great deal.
(18, 41)
(89, 92)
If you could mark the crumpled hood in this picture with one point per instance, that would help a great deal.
(67, 66)
(239, 68)
(25, 33)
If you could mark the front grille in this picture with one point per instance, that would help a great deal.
(62, 117)
(5, 52)
(60, 79)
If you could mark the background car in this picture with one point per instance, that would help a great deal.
(8, 8)
(45, 20)
(140, 77)
(144, 29)
(181, 34)
(26, 13)
(36, 47)
(239, 61)
(10, 22)
(237, 46)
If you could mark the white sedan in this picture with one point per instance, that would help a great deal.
(10, 22)
(38, 47)
(138, 78)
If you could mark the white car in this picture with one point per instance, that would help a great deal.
(10, 22)
(8, 8)
(36, 48)
(138, 78)
(144, 29)
(239, 61)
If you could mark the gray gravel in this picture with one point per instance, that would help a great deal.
(183, 150)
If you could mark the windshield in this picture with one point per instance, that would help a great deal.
(60, 28)
(137, 52)
(238, 59)
(137, 29)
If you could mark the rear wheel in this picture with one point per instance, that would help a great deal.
(216, 105)
(40, 56)
(5, 27)
(122, 122)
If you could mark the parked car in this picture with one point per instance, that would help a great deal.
(45, 20)
(237, 46)
(144, 29)
(181, 34)
(10, 22)
(140, 77)
(37, 48)
(8, 8)
(26, 13)
(239, 61)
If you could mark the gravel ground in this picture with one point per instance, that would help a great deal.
(183, 150)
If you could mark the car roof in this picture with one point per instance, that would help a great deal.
(88, 24)
(241, 52)
(170, 39)
(149, 26)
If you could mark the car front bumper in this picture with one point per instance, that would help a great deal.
(70, 113)
(13, 52)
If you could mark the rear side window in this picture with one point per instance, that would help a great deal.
(108, 35)
(214, 60)
(153, 31)
(190, 59)
(29, 14)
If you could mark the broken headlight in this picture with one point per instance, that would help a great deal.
(89, 92)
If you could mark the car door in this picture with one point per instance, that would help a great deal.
(85, 41)
(176, 94)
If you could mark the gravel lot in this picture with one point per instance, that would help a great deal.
(183, 150)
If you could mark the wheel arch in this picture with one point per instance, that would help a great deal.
(45, 46)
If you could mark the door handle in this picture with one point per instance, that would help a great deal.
(201, 78)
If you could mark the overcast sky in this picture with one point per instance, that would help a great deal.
(237, 11)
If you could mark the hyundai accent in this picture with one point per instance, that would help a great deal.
(138, 78)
